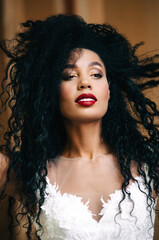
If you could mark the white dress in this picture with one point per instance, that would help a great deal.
(66, 217)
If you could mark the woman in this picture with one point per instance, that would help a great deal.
(82, 143)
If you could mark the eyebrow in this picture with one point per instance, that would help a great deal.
(95, 63)
(90, 64)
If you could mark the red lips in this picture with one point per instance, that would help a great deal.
(86, 99)
(86, 95)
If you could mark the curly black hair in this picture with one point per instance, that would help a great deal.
(38, 56)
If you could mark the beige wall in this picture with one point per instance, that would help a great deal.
(137, 19)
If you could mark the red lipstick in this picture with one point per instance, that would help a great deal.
(86, 99)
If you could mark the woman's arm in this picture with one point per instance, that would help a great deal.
(19, 232)
(4, 164)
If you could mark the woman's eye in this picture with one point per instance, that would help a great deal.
(68, 77)
(97, 75)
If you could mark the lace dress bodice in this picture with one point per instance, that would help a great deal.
(66, 217)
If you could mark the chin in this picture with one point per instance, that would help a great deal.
(86, 117)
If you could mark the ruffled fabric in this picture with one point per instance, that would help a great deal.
(66, 217)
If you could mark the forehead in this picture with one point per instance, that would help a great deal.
(81, 54)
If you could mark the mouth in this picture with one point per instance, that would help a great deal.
(86, 99)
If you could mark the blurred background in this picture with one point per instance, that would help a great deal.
(137, 19)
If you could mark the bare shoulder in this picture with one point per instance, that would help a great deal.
(10, 187)
(51, 168)
(4, 165)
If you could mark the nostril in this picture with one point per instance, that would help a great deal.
(85, 86)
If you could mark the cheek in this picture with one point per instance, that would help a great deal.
(105, 93)
(64, 99)
(65, 92)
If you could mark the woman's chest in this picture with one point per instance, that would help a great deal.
(85, 177)
(89, 181)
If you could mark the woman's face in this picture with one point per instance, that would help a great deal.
(84, 89)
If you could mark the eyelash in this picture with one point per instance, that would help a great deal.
(68, 77)
(95, 75)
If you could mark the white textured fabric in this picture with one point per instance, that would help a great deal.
(66, 217)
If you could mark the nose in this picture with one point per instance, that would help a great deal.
(84, 83)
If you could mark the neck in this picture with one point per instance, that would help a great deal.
(84, 140)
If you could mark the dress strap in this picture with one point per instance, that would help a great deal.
(146, 170)
(51, 171)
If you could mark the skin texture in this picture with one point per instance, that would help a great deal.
(82, 122)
